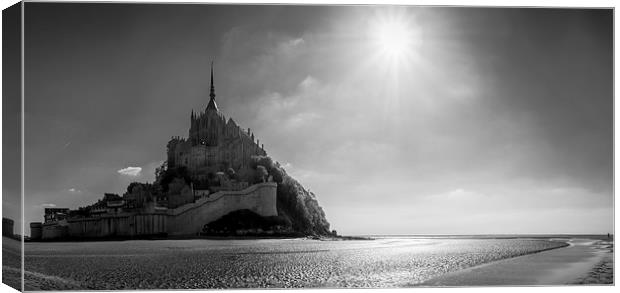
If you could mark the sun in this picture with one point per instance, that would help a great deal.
(393, 36)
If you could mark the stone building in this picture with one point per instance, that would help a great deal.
(36, 230)
(214, 144)
(7, 227)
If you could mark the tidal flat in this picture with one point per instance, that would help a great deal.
(263, 263)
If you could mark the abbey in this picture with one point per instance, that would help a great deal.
(214, 144)
(210, 174)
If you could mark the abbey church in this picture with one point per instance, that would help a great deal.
(214, 144)
(207, 176)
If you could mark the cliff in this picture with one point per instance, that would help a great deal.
(295, 203)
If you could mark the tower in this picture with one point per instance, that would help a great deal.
(212, 105)
(212, 120)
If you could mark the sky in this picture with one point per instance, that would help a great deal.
(402, 120)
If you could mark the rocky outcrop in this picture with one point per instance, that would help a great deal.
(295, 203)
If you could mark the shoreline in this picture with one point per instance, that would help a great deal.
(580, 262)
(603, 271)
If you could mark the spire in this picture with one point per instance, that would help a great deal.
(212, 105)
(212, 93)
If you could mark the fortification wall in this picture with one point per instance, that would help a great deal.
(36, 230)
(53, 231)
(184, 220)
(189, 219)
(122, 225)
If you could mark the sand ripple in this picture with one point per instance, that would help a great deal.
(192, 264)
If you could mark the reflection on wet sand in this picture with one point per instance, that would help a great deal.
(262, 263)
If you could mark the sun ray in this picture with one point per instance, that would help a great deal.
(394, 37)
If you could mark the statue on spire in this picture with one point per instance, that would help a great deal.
(212, 105)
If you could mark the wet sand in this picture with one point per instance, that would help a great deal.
(585, 261)
(11, 262)
(603, 272)
(267, 263)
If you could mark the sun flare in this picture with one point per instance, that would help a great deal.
(394, 38)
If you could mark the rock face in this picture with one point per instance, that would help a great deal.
(301, 208)
(295, 203)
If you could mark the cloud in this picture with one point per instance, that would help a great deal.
(462, 193)
(130, 171)
(73, 190)
(292, 43)
(309, 81)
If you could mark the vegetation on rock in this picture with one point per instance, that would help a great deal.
(297, 206)
(294, 202)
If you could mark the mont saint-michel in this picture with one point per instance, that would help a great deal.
(201, 146)
(217, 181)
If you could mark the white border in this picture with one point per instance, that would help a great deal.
(503, 3)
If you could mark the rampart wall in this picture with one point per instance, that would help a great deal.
(122, 225)
(190, 218)
(184, 220)
(53, 231)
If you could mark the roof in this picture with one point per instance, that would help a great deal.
(212, 105)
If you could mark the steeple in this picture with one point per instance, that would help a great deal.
(212, 105)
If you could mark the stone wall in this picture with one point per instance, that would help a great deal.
(36, 230)
(7, 227)
(120, 225)
(184, 220)
(189, 219)
(54, 230)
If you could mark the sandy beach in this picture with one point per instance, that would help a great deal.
(302, 263)
(584, 261)
(603, 271)
(11, 262)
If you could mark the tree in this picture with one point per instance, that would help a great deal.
(278, 174)
(266, 161)
(170, 174)
(273, 168)
(231, 173)
(131, 186)
(160, 171)
(261, 174)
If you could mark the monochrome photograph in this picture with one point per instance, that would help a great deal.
(284, 146)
